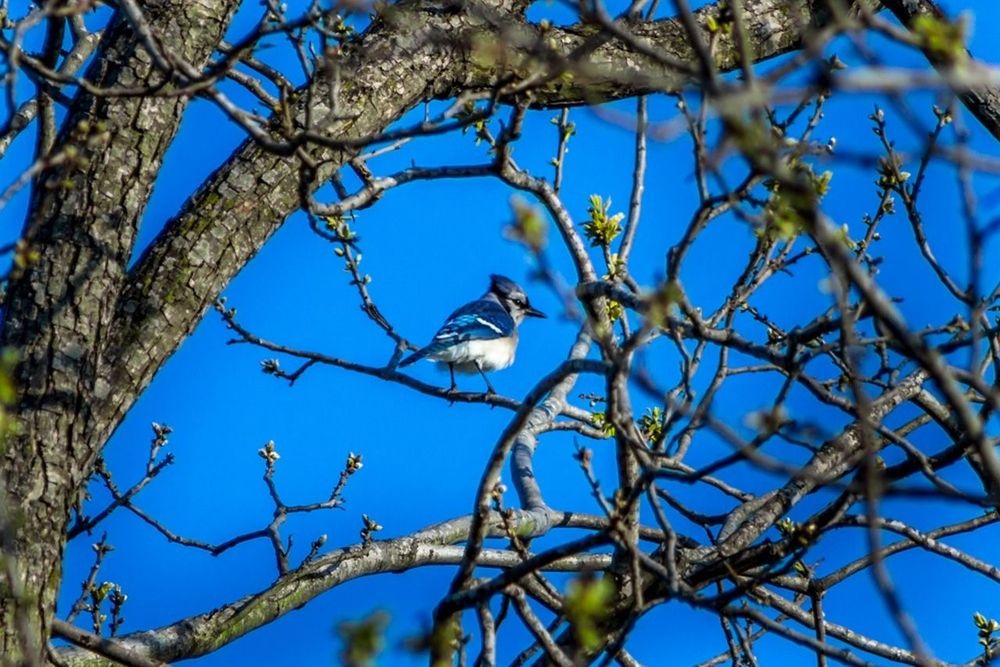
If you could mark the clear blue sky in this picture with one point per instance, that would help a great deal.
(423, 458)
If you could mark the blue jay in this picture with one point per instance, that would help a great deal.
(481, 335)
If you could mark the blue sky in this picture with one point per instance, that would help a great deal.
(430, 247)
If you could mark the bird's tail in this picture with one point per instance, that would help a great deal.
(416, 356)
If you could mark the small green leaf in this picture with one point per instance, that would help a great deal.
(600, 421)
(602, 227)
(588, 602)
(363, 640)
(945, 41)
(528, 226)
(785, 213)
(651, 424)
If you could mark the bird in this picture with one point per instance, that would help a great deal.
(481, 336)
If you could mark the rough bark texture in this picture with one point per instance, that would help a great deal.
(83, 221)
(604, 68)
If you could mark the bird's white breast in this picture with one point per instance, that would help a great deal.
(491, 354)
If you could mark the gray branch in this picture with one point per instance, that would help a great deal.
(199, 635)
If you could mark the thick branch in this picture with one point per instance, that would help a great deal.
(982, 100)
(202, 634)
(834, 458)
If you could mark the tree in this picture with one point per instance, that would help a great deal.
(897, 411)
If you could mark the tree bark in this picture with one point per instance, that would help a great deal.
(83, 219)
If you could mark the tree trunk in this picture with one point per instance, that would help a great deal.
(83, 218)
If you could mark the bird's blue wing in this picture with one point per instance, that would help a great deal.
(479, 320)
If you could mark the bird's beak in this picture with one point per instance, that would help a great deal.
(533, 312)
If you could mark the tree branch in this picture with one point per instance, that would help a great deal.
(202, 634)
